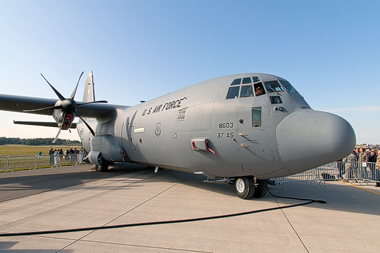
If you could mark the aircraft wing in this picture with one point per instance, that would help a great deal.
(21, 103)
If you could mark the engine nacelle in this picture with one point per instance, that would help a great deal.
(64, 119)
(107, 147)
(95, 157)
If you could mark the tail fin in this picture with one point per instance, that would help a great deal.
(89, 92)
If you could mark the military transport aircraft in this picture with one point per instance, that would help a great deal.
(243, 129)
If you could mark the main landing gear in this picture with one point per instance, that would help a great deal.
(248, 187)
(103, 167)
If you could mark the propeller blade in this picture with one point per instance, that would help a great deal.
(76, 87)
(88, 126)
(59, 131)
(45, 108)
(56, 92)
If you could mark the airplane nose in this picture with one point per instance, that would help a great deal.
(307, 139)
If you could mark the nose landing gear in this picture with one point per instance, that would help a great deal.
(248, 187)
(244, 187)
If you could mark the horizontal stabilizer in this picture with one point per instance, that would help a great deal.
(46, 124)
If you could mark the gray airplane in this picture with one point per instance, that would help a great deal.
(243, 129)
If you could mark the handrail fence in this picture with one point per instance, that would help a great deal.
(348, 171)
(33, 162)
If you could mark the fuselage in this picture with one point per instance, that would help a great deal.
(224, 127)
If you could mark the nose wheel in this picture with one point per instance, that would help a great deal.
(248, 187)
(261, 188)
(244, 187)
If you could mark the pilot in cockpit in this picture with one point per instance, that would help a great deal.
(259, 90)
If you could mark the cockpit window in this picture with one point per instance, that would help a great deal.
(233, 92)
(273, 86)
(288, 87)
(236, 82)
(256, 79)
(247, 80)
(259, 89)
(246, 91)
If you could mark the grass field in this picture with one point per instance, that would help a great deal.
(23, 157)
(6, 150)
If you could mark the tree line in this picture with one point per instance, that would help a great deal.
(37, 141)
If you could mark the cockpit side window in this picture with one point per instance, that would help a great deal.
(233, 92)
(246, 91)
(273, 86)
(255, 79)
(288, 87)
(259, 89)
(275, 100)
(236, 82)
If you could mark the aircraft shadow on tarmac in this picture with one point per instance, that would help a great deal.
(339, 196)
(8, 245)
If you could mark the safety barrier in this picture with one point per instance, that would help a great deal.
(33, 162)
(349, 171)
(353, 171)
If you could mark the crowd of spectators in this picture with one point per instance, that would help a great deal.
(74, 155)
(363, 163)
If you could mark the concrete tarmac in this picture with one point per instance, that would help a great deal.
(77, 197)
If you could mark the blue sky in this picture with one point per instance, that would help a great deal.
(138, 50)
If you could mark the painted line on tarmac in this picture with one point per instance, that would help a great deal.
(360, 187)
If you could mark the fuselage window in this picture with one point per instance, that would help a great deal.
(236, 81)
(247, 80)
(259, 89)
(288, 87)
(256, 79)
(246, 91)
(275, 100)
(256, 116)
(273, 86)
(233, 92)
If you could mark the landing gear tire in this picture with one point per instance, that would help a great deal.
(103, 167)
(261, 188)
(244, 187)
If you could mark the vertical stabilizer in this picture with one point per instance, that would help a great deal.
(89, 92)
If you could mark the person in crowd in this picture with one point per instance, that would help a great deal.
(76, 152)
(56, 157)
(378, 169)
(80, 155)
(371, 163)
(60, 151)
(357, 152)
(363, 160)
(340, 166)
(350, 166)
(67, 154)
(51, 155)
(71, 155)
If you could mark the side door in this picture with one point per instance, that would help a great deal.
(251, 134)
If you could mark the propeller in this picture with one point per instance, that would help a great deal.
(68, 107)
